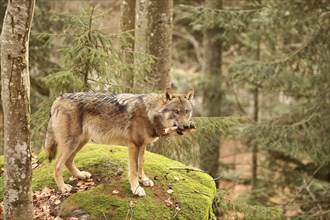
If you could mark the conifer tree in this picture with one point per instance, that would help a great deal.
(91, 60)
(212, 55)
(290, 36)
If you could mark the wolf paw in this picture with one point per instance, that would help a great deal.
(66, 188)
(138, 191)
(146, 182)
(84, 175)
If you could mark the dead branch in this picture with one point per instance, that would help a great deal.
(186, 169)
(303, 188)
(184, 34)
(175, 129)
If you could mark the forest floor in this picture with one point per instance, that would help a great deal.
(279, 183)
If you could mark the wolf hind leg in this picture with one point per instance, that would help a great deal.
(58, 169)
(142, 177)
(70, 164)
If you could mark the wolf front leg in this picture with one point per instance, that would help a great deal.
(142, 177)
(133, 154)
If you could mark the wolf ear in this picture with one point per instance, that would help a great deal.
(189, 95)
(168, 94)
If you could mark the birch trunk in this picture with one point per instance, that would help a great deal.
(15, 99)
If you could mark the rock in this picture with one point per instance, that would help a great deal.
(99, 201)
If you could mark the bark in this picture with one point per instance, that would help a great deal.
(209, 156)
(255, 118)
(141, 24)
(153, 29)
(16, 98)
(2, 13)
(128, 25)
(159, 40)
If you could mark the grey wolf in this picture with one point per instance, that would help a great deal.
(134, 120)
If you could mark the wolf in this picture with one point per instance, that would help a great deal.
(135, 120)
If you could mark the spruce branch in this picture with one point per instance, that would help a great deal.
(302, 188)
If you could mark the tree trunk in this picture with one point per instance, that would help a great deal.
(2, 13)
(153, 29)
(159, 40)
(209, 156)
(255, 118)
(128, 25)
(15, 99)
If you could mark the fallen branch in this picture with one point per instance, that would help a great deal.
(176, 129)
(105, 217)
(187, 169)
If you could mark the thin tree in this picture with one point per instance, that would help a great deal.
(127, 24)
(212, 48)
(16, 108)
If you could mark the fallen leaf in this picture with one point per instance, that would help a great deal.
(115, 192)
(131, 204)
(170, 191)
(168, 202)
(80, 183)
(57, 202)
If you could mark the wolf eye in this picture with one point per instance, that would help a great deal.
(176, 112)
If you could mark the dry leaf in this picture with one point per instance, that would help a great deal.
(168, 202)
(80, 183)
(115, 192)
(131, 204)
(170, 191)
(57, 202)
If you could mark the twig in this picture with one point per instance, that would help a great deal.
(105, 217)
(195, 191)
(302, 189)
(187, 169)
(131, 206)
(177, 129)
(214, 179)
(176, 213)
(184, 34)
(313, 196)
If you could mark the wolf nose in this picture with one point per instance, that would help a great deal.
(186, 126)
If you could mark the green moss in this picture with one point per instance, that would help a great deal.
(193, 193)
(1, 161)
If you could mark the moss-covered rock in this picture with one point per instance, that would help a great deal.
(191, 197)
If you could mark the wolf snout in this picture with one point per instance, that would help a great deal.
(186, 126)
(183, 127)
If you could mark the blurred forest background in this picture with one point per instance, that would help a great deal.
(261, 74)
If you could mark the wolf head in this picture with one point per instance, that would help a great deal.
(177, 109)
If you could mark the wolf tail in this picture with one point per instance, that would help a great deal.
(50, 143)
